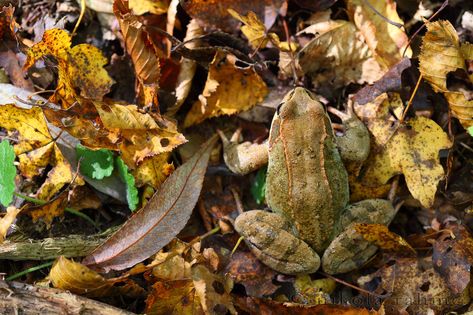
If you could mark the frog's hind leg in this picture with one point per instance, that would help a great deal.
(273, 240)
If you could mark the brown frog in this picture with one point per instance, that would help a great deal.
(307, 190)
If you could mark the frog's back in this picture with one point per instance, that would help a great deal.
(306, 178)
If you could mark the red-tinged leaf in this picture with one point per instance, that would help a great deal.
(163, 217)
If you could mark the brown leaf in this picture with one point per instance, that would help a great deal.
(159, 221)
(453, 257)
(214, 13)
(391, 81)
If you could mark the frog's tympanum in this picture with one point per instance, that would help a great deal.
(307, 190)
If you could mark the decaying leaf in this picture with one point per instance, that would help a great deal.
(380, 235)
(141, 50)
(214, 13)
(254, 30)
(453, 257)
(77, 278)
(442, 53)
(7, 221)
(339, 56)
(80, 68)
(385, 40)
(159, 221)
(153, 171)
(140, 7)
(228, 90)
(313, 292)
(414, 287)
(36, 149)
(402, 150)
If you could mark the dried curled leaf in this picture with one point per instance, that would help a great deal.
(228, 90)
(339, 56)
(77, 278)
(385, 40)
(7, 221)
(441, 53)
(159, 220)
(80, 68)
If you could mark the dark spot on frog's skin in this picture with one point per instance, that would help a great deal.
(164, 142)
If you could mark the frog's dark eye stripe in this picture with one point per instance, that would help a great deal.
(279, 107)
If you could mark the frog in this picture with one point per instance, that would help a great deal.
(307, 190)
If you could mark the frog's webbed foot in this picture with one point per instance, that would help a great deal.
(354, 145)
(272, 240)
(243, 158)
(349, 250)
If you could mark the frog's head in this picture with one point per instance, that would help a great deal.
(297, 102)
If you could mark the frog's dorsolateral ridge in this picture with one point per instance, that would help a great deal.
(307, 190)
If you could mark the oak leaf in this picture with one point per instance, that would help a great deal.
(228, 90)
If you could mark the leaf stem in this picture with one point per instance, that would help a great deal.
(26, 271)
(70, 210)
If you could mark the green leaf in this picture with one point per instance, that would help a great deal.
(95, 164)
(470, 130)
(259, 186)
(129, 180)
(7, 173)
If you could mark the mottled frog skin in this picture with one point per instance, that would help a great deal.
(307, 190)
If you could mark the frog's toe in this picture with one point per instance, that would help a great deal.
(347, 252)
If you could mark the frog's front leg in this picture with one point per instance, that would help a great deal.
(349, 250)
(273, 240)
(354, 144)
(243, 158)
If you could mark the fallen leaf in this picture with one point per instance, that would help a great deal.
(225, 81)
(140, 7)
(80, 68)
(441, 53)
(96, 164)
(7, 221)
(141, 50)
(131, 191)
(77, 278)
(313, 292)
(385, 40)
(380, 235)
(453, 257)
(254, 30)
(159, 220)
(8, 173)
(339, 56)
(413, 287)
(153, 171)
(406, 153)
(214, 13)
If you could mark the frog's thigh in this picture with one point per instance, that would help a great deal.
(271, 239)
(348, 251)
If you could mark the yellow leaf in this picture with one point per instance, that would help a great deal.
(36, 150)
(339, 56)
(31, 125)
(77, 278)
(80, 69)
(386, 41)
(157, 7)
(153, 171)
(228, 90)
(50, 210)
(441, 54)
(380, 235)
(255, 30)
(313, 292)
(7, 221)
(412, 150)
